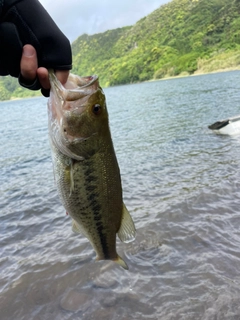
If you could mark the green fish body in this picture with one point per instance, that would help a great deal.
(85, 165)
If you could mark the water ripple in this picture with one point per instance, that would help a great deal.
(181, 184)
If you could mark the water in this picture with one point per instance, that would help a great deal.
(181, 183)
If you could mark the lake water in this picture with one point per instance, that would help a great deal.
(181, 184)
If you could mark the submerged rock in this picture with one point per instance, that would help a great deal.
(109, 301)
(105, 278)
(103, 282)
(75, 301)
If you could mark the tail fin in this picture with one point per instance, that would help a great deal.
(121, 262)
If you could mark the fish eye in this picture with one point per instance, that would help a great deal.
(96, 109)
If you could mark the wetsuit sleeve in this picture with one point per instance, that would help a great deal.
(27, 22)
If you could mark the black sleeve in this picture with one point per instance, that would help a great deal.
(27, 22)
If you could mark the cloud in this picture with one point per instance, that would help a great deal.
(75, 17)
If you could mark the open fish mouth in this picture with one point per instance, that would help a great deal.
(67, 100)
(76, 88)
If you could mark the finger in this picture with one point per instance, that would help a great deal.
(42, 74)
(28, 64)
(62, 75)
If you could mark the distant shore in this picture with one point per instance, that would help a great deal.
(200, 73)
(21, 98)
(181, 75)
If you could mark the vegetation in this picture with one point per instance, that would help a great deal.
(181, 37)
(10, 89)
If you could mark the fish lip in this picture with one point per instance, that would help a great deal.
(80, 91)
(92, 79)
(75, 93)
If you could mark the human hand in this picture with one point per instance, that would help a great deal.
(30, 71)
(26, 22)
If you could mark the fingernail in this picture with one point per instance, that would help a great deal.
(28, 51)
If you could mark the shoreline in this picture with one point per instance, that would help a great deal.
(199, 73)
(181, 75)
(21, 98)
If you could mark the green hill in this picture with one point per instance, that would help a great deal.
(178, 37)
(181, 37)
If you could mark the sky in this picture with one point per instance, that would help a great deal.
(75, 17)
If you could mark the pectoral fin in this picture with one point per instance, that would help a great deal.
(75, 227)
(71, 178)
(127, 231)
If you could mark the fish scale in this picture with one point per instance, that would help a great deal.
(85, 166)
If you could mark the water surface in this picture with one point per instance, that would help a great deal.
(181, 185)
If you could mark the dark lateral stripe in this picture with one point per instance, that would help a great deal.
(90, 178)
(103, 240)
(90, 188)
(100, 230)
(97, 217)
(96, 208)
(93, 199)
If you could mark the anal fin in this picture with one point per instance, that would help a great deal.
(127, 231)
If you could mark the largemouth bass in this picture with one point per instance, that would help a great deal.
(85, 165)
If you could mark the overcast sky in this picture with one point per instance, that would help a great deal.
(75, 17)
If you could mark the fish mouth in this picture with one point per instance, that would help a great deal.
(62, 99)
(75, 88)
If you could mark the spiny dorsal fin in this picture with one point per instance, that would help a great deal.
(127, 231)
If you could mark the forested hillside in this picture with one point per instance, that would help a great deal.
(173, 39)
(180, 37)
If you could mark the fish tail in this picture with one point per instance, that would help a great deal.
(121, 262)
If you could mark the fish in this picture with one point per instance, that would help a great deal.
(85, 166)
